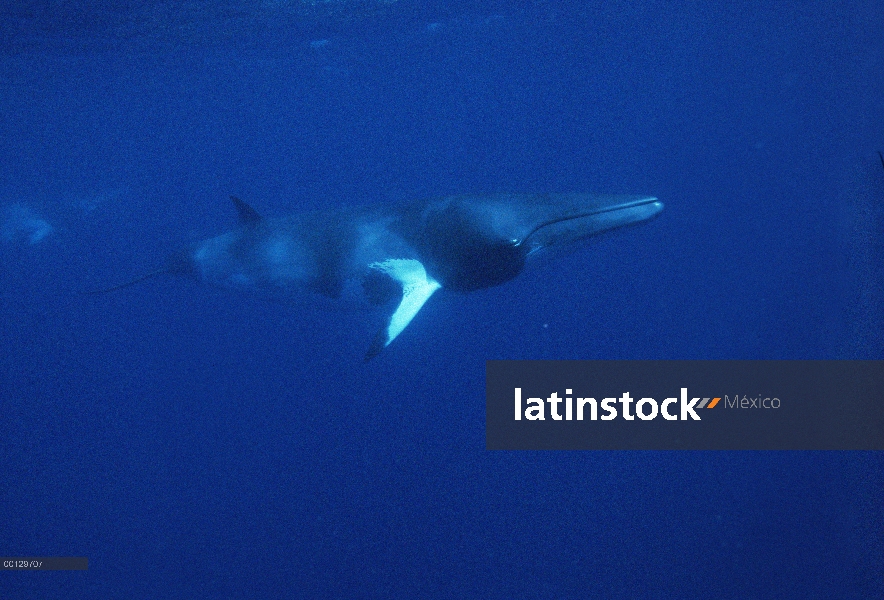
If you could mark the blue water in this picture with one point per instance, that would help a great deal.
(197, 443)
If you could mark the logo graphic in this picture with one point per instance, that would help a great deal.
(646, 409)
(667, 405)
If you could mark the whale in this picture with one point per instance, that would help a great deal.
(392, 258)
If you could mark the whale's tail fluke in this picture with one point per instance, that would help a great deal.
(119, 286)
(178, 264)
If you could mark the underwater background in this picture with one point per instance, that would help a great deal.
(196, 443)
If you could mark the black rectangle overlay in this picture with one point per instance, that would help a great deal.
(762, 405)
(44, 563)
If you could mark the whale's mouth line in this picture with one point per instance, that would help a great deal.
(589, 213)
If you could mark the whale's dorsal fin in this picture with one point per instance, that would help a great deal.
(247, 214)
(417, 287)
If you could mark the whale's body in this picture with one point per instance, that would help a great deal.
(395, 257)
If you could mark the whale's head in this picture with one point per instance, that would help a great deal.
(475, 242)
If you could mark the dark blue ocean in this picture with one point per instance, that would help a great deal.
(198, 443)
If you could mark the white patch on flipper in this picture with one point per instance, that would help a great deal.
(417, 287)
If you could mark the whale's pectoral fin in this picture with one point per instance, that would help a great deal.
(417, 287)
